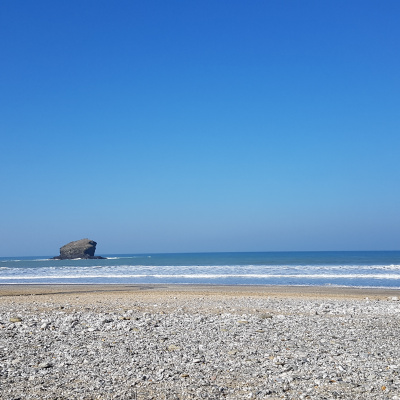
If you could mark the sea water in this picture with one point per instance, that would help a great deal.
(356, 269)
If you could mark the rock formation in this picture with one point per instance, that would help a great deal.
(83, 248)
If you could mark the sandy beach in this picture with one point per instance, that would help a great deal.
(196, 290)
(194, 342)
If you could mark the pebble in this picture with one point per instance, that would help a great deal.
(45, 365)
(222, 347)
(173, 347)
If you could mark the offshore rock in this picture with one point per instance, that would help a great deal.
(83, 248)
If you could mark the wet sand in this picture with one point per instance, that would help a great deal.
(312, 292)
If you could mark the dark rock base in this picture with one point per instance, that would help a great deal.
(82, 258)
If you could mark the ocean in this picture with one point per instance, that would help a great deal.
(337, 268)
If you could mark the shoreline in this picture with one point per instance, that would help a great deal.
(334, 292)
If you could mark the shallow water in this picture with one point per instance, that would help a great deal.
(358, 269)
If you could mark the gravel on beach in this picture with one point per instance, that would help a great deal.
(198, 345)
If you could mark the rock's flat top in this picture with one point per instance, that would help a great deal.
(155, 344)
(83, 248)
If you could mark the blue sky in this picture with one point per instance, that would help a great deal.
(177, 126)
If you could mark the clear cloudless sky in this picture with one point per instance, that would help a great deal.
(188, 126)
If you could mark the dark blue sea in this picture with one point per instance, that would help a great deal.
(349, 268)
